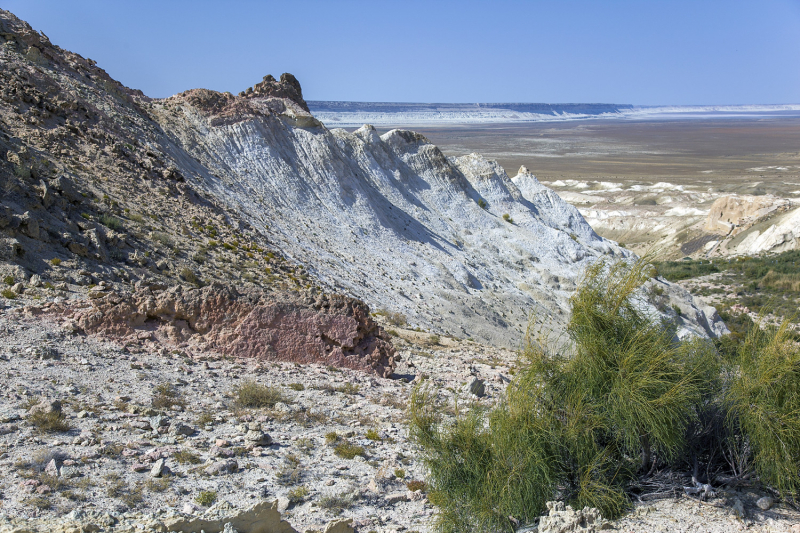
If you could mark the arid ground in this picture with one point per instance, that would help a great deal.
(753, 156)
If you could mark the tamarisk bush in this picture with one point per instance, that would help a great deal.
(583, 420)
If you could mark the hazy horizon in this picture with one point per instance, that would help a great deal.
(507, 51)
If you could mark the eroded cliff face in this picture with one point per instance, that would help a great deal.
(213, 186)
(454, 244)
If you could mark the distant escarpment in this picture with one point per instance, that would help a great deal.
(101, 183)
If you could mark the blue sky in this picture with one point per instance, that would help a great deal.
(645, 52)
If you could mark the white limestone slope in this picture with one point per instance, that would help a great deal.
(391, 220)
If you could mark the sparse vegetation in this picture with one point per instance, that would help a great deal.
(254, 395)
(337, 503)
(206, 498)
(346, 450)
(55, 261)
(767, 283)
(9, 280)
(166, 395)
(508, 218)
(373, 435)
(8, 294)
(49, 422)
(186, 458)
(298, 494)
(111, 222)
(205, 419)
(296, 386)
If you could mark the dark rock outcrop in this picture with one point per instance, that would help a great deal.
(288, 87)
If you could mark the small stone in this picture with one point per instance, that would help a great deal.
(181, 429)
(283, 504)
(46, 406)
(476, 387)
(738, 508)
(222, 467)
(190, 508)
(52, 468)
(396, 497)
(158, 468)
(257, 438)
(765, 503)
(68, 472)
(139, 467)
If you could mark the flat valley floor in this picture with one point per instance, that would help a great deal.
(731, 155)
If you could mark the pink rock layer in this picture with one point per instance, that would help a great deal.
(327, 329)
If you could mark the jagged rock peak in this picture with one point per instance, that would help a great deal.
(288, 87)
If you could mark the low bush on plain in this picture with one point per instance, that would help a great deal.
(255, 395)
(206, 498)
(49, 422)
(347, 450)
(165, 396)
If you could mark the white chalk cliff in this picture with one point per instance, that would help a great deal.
(390, 219)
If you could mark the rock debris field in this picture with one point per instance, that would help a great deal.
(123, 437)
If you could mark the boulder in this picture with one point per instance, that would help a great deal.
(476, 387)
(219, 468)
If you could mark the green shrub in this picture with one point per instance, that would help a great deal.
(508, 218)
(763, 400)
(296, 386)
(111, 222)
(189, 275)
(8, 294)
(165, 395)
(347, 450)
(252, 394)
(578, 421)
(336, 503)
(52, 422)
(372, 435)
(9, 280)
(55, 261)
(298, 494)
(186, 458)
(206, 498)
(482, 203)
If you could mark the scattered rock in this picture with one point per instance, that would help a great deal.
(564, 519)
(476, 387)
(765, 503)
(45, 406)
(222, 467)
(158, 468)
